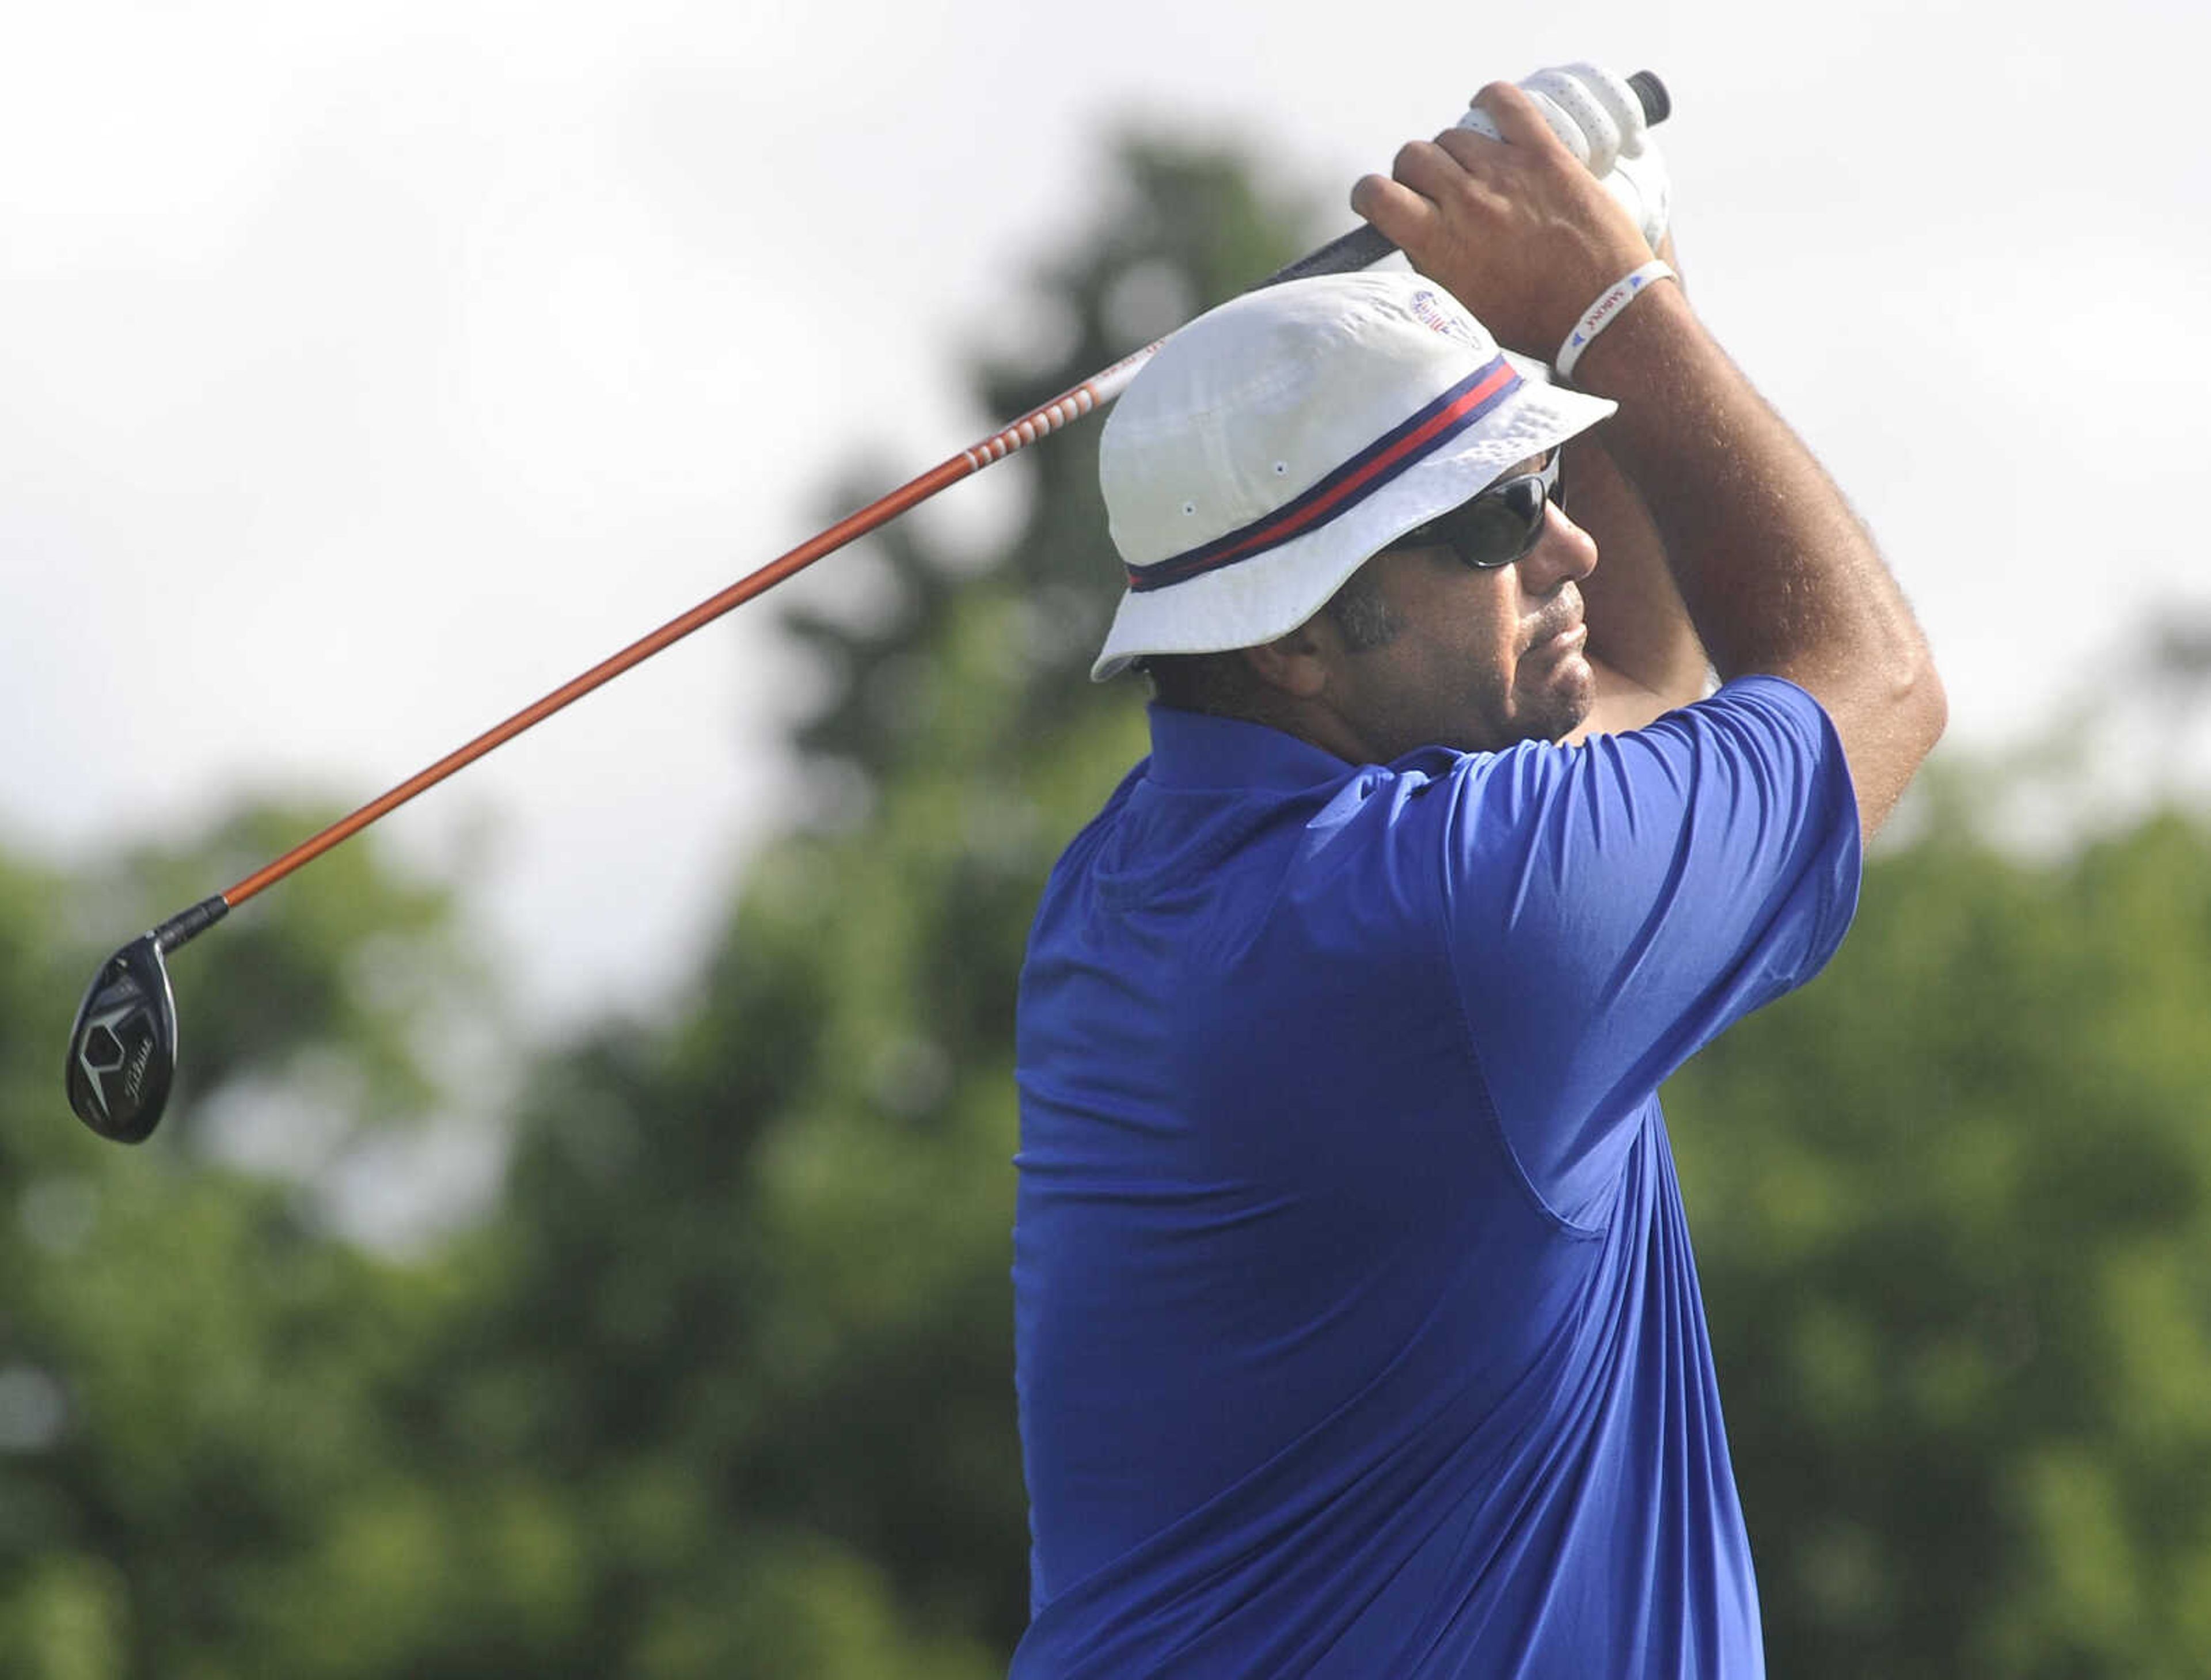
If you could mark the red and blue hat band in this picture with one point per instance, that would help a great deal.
(1381, 462)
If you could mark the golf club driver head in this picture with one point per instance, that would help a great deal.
(122, 1051)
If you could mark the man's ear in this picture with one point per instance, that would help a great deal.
(1295, 664)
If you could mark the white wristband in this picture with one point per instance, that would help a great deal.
(1607, 310)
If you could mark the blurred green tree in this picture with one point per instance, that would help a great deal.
(1952, 1210)
(757, 1255)
(190, 1364)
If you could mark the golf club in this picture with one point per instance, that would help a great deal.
(123, 1049)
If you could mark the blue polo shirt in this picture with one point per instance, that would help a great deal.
(1357, 1331)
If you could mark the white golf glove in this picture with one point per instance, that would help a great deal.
(1600, 119)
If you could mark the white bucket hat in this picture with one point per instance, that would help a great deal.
(1276, 442)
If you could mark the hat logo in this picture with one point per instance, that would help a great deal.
(1431, 314)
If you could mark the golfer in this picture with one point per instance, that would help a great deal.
(1358, 1333)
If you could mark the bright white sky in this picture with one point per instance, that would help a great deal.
(366, 371)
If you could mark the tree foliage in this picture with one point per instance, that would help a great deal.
(766, 1249)
(191, 1366)
(1953, 1210)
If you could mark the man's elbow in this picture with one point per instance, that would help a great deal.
(1893, 736)
(1918, 701)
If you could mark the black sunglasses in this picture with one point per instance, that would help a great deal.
(1498, 526)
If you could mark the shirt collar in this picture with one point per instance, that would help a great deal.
(1195, 749)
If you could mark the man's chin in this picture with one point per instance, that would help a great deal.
(1564, 702)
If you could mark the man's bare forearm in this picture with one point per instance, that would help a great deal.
(1778, 573)
(1638, 624)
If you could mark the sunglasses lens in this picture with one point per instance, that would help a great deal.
(1497, 529)
(1498, 526)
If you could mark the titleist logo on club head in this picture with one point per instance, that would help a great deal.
(134, 1076)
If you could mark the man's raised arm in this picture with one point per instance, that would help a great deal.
(1778, 573)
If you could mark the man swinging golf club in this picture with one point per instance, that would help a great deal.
(1358, 1332)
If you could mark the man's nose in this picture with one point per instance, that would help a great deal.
(1564, 552)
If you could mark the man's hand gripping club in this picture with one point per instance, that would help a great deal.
(1517, 228)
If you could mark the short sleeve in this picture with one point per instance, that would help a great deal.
(1609, 908)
